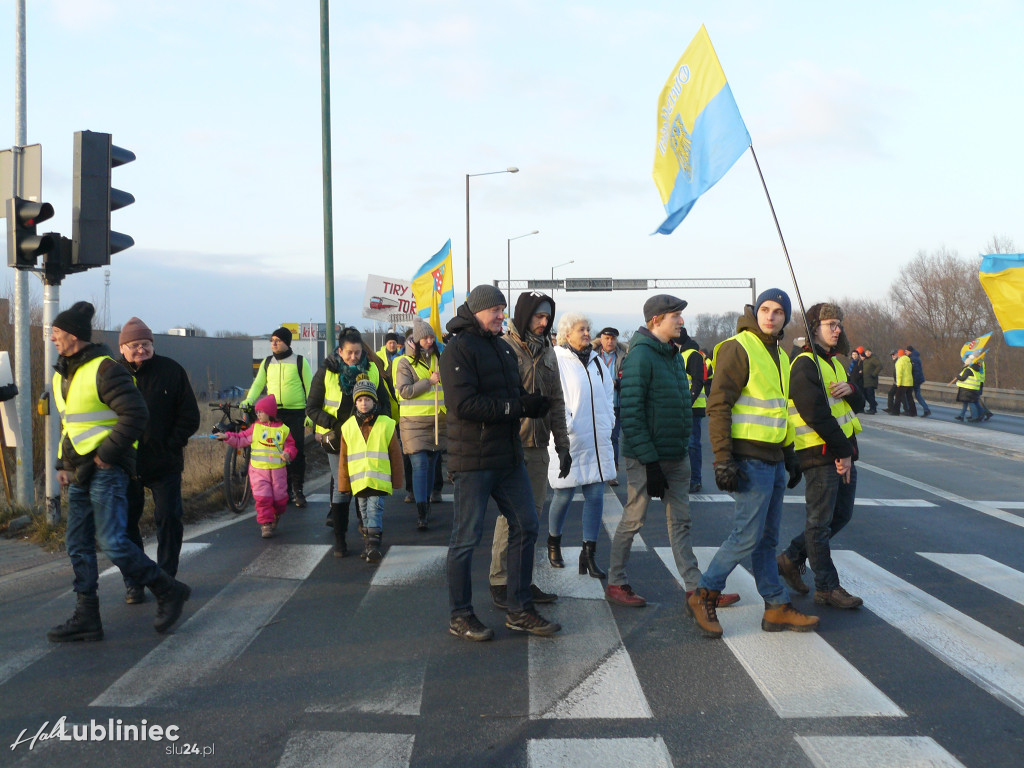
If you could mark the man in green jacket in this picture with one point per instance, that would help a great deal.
(656, 421)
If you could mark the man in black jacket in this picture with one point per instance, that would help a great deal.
(826, 430)
(485, 401)
(173, 419)
(103, 414)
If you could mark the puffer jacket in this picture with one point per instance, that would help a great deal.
(916, 368)
(872, 370)
(117, 389)
(481, 391)
(655, 411)
(589, 418)
(904, 372)
(333, 364)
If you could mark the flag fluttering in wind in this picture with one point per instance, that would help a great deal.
(433, 287)
(700, 131)
(1002, 277)
(975, 347)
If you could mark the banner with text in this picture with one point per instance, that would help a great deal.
(388, 300)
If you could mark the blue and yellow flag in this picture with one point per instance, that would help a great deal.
(975, 347)
(1002, 277)
(433, 287)
(700, 131)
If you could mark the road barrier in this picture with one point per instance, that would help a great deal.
(1007, 400)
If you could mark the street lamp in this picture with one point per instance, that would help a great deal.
(508, 245)
(510, 169)
(571, 261)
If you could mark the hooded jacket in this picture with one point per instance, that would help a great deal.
(173, 416)
(732, 369)
(538, 374)
(333, 365)
(806, 392)
(916, 369)
(115, 387)
(655, 409)
(482, 388)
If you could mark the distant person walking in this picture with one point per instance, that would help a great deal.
(917, 377)
(872, 370)
(968, 389)
(613, 354)
(173, 419)
(693, 362)
(904, 391)
(287, 377)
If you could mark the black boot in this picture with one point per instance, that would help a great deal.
(555, 551)
(587, 562)
(170, 600)
(84, 623)
(299, 497)
(339, 521)
(422, 515)
(372, 551)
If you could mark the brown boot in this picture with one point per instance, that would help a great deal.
(785, 616)
(790, 571)
(702, 605)
(837, 598)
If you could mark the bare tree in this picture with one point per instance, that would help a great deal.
(712, 329)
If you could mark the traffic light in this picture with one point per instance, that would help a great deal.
(92, 241)
(24, 246)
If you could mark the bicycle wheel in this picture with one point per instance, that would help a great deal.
(237, 491)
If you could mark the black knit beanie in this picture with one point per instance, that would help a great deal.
(77, 320)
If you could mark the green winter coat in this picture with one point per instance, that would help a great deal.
(655, 406)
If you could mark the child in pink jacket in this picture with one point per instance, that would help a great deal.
(272, 450)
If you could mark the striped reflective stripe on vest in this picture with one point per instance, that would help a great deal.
(761, 411)
(806, 436)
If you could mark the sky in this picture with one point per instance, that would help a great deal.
(882, 129)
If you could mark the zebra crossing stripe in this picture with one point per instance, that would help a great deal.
(343, 749)
(1001, 579)
(219, 632)
(188, 549)
(613, 514)
(873, 751)
(799, 673)
(980, 654)
(721, 498)
(1004, 504)
(598, 753)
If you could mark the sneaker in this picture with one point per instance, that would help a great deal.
(725, 599)
(267, 531)
(499, 596)
(540, 596)
(135, 595)
(469, 628)
(926, 413)
(702, 606)
(792, 573)
(780, 617)
(958, 418)
(532, 622)
(614, 483)
(623, 595)
(696, 488)
(299, 499)
(837, 598)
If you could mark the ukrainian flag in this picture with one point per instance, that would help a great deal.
(433, 287)
(700, 131)
(1002, 277)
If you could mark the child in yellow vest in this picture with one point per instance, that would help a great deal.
(272, 449)
(369, 465)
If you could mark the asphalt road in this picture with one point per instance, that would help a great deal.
(289, 657)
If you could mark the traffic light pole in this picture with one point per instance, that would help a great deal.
(51, 306)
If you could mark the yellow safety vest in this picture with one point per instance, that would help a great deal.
(806, 437)
(762, 410)
(423, 404)
(333, 393)
(701, 401)
(369, 465)
(268, 445)
(981, 374)
(86, 419)
(973, 381)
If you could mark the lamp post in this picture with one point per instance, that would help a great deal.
(510, 169)
(565, 264)
(508, 244)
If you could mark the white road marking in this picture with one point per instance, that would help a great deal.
(613, 514)
(318, 497)
(340, 749)
(977, 506)
(216, 634)
(411, 565)
(980, 654)
(1001, 579)
(188, 549)
(566, 582)
(799, 673)
(721, 498)
(1004, 504)
(598, 753)
(875, 751)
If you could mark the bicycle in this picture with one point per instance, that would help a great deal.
(237, 490)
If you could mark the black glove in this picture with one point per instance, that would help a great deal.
(728, 475)
(534, 405)
(564, 463)
(8, 391)
(656, 482)
(793, 467)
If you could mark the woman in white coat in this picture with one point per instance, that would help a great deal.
(589, 417)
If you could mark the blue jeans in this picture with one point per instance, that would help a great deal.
(510, 489)
(829, 508)
(920, 397)
(696, 458)
(593, 509)
(371, 511)
(167, 514)
(975, 410)
(755, 531)
(424, 464)
(98, 512)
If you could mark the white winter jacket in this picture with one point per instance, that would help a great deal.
(589, 418)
